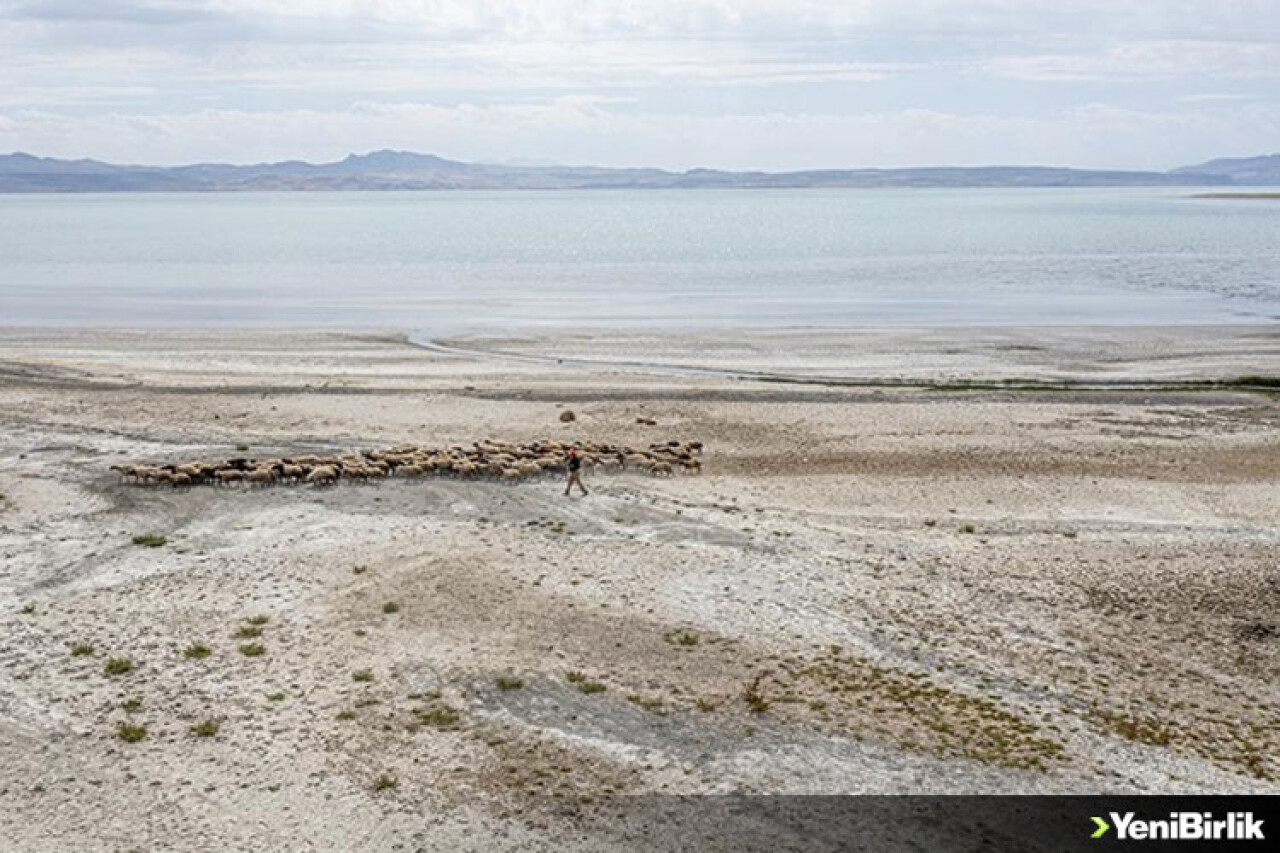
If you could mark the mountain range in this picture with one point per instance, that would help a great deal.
(402, 170)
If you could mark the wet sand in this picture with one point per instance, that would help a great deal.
(868, 590)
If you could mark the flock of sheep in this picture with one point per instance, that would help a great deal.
(490, 458)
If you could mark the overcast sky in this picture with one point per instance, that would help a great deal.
(734, 84)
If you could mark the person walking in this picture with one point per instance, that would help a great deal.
(574, 463)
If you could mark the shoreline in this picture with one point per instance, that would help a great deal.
(933, 591)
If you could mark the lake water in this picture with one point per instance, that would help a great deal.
(449, 261)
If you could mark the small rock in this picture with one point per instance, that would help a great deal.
(567, 416)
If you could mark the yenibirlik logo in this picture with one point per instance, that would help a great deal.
(1182, 826)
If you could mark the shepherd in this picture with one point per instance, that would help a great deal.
(573, 462)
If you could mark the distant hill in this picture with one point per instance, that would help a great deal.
(1243, 171)
(403, 170)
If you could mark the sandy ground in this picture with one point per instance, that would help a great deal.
(869, 590)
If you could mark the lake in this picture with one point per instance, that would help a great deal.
(456, 261)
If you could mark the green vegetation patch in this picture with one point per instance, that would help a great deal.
(119, 666)
(130, 733)
(912, 711)
(206, 728)
(150, 540)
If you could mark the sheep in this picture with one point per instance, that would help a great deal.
(261, 476)
(635, 459)
(323, 475)
(499, 459)
(660, 469)
(126, 472)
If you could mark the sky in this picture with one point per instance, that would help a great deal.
(732, 84)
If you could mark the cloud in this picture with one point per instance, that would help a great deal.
(1163, 59)
(734, 83)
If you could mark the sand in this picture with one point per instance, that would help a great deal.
(868, 590)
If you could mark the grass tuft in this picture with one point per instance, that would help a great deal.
(683, 638)
(753, 694)
(253, 650)
(363, 675)
(196, 651)
(130, 733)
(509, 682)
(206, 728)
(150, 540)
(440, 718)
(81, 649)
(391, 607)
(385, 783)
(119, 666)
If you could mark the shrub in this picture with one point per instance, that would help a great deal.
(509, 682)
(384, 782)
(391, 607)
(150, 540)
(248, 632)
(252, 650)
(82, 649)
(196, 651)
(363, 675)
(132, 704)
